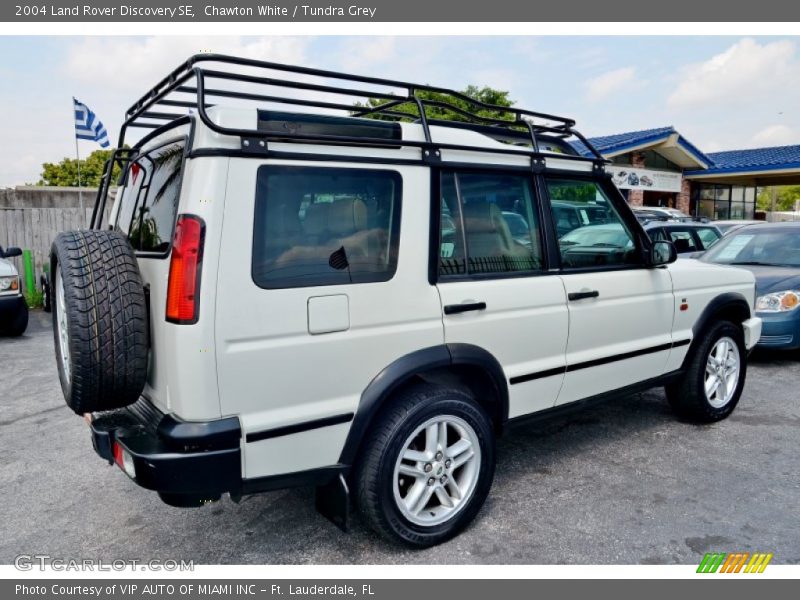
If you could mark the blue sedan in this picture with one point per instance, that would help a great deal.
(772, 253)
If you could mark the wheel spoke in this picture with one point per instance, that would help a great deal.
(432, 438)
(444, 498)
(462, 459)
(442, 441)
(712, 383)
(411, 471)
(455, 491)
(458, 448)
(415, 455)
(423, 499)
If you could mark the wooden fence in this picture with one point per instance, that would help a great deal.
(35, 228)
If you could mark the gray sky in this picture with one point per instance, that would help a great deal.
(720, 92)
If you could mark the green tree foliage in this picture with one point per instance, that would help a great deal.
(784, 195)
(65, 173)
(484, 94)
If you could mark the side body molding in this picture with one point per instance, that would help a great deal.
(404, 369)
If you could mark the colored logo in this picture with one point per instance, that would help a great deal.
(734, 562)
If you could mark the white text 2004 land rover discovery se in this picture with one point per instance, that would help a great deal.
(297, 291)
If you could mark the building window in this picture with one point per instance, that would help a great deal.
(721, 202)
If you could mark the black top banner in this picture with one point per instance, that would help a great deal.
(401, 11)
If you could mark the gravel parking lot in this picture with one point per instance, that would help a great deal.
(621, 483)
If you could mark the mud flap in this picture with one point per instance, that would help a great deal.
(333, 502)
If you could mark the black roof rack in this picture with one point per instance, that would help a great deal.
(205, 78)
(187, 87)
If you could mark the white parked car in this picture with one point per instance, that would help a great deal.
(13, 309)
(287, 298)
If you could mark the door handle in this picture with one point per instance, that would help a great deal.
(453, 309)
(583, 295)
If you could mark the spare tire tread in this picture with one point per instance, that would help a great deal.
(107, 319)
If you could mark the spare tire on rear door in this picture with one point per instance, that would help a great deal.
(99, 320)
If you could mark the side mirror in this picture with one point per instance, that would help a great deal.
(12, 252)
(662, 252)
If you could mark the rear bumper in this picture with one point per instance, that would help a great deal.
(170, 456)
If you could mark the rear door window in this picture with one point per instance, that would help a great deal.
(149, 201)
(489, 224)
(325, 226)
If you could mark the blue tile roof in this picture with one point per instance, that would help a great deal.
(731, 161)
(755, 159)
(619, 142)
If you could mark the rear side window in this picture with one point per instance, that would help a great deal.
(149, 200)
(324, 226)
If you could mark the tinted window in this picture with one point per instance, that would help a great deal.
(598, 236)
(150, 198)
(488, 224)
(318, 226)
(683, 240)
(708, 236)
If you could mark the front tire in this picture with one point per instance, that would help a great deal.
(714, 378)
(427, 467)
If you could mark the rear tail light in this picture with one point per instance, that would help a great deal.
(124, 460)
(183, 288)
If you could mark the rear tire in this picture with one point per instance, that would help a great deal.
(451, 441)
(714, 378)
(99, 320)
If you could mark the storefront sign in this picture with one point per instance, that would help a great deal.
(628, 178)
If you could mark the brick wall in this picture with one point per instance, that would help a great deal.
(636, 197)
(684, 202)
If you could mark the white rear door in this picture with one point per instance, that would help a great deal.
(495, 291)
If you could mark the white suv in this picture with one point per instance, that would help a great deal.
(13, 308)
(310, 298)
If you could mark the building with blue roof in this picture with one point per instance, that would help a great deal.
(660, 167)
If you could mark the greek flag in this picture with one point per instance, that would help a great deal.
(88, 126)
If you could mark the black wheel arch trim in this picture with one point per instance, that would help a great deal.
(718, 304)
(402, 370)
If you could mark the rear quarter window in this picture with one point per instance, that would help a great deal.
(149, 201)
(317, 226)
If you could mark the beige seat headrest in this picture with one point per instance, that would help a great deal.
(316, 220)
(346, 216)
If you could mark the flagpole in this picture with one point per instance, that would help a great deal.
(80, 190)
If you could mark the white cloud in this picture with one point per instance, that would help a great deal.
(136, 64)
(611, 82)
(744, 73)
(776, 135)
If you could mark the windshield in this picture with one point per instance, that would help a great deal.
(749, 246)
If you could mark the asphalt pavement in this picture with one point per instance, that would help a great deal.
(620, 483)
